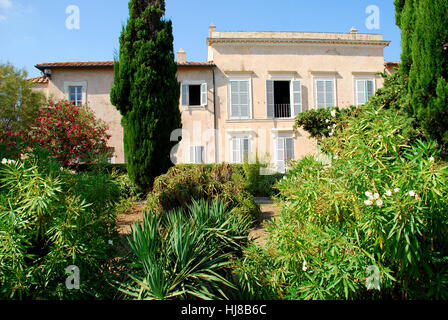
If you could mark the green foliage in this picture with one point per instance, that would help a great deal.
(51, 218)
(71, 133)
(424, 32)
(183, 184)
(19, 104)
(405, 13)
(393, 95)
(256, 182)
(381, 205)
(183, 254)
(146, 91)
(321, 122)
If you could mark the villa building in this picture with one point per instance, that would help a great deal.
(243, 100)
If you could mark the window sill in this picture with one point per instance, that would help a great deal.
(194, 107)
(261, 120)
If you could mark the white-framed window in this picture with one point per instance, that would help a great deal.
(283, 98)
(76, 92)
(364, 88)
(239, 148)
(194, 93)
(197, 154)
(75, 95)
(324, 92)
(240, 98)
(284, 150)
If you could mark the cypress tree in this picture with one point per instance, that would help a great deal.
(146, 91)
(428, 72)
(405, 12)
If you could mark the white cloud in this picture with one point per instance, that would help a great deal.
(5, 4)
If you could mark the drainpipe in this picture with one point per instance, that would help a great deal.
(215, 115)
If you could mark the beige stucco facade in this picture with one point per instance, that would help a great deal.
(241, 69)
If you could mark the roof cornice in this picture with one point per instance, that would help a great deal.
(255, 41)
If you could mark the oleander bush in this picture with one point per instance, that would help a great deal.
(370, 224)
(52, 218)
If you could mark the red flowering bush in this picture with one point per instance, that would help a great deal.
(12, 144)
(70, 133)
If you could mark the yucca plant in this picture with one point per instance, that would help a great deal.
(183, 254)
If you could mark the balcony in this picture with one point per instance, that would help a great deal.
(282, 110)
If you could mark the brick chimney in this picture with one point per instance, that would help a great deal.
(181, 56)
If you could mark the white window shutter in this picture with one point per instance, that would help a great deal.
(329, 91)
(204, 94)
(361, 92)
(200, 154)
(320, 94)
(185, 94)
(370, 88)
(280, 154)
(245, 149)
(270, 98)
(289, 147)
(234, 100)
(235, 150)
(197, 154)
(244, 98)
(192, 155)
(297, 96)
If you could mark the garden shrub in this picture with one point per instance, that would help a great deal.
(183, 254)
(321, 123)
(70, 133)
(185, 183)
(256, 183)
(52, 218)
(378, 208)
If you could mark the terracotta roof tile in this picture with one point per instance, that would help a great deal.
(102, 64)
(75, 64)
(391, 63)
(38, 80)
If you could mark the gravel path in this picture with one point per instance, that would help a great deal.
(268, 212)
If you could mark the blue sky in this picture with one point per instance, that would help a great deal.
(33, 31)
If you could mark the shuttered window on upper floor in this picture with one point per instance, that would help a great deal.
(364, 89)
(194, 94)
(239, 99)
(325, 93)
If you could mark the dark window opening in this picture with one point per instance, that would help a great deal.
(282, 99)
(195, 95)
